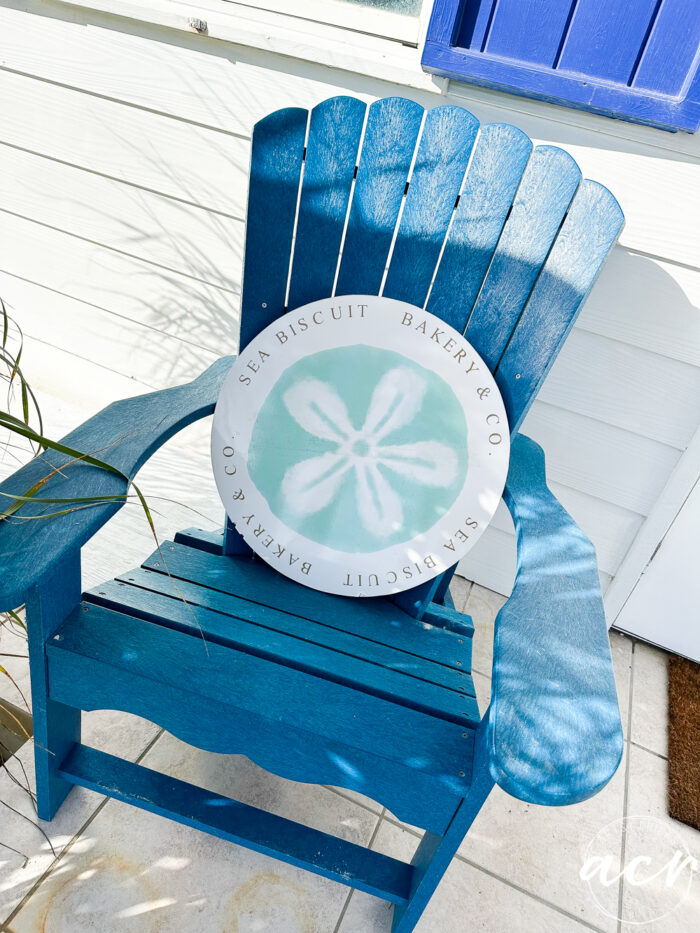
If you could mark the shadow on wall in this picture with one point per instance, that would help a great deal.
(194, 295)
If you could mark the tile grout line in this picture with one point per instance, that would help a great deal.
(534, 897)
(510, 884)
(345, 906)
(4, 927)
(625, 795)
(649, 750)
(339, 792)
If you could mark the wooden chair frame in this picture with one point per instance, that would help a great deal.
(517, 240)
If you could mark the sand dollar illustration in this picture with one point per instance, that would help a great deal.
(360, 445)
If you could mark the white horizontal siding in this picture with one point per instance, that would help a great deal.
(123, 174)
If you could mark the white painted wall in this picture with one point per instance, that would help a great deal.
(123, 171)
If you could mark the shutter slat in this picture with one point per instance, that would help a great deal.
(605, 39)
(671, 48)
(512, 34)
(636, 60)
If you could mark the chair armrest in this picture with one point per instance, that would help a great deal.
(125, 435)
(554, 730)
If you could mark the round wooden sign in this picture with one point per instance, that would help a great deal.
(360, 445)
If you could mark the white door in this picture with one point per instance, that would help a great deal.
(664, 606)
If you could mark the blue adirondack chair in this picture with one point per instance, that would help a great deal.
(373, 695)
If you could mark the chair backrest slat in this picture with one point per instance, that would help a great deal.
(511, 260)
(335, 129)
(441, 161)
(591, 227)
(498, 162)
(277, 153)
(547, 187)
(393, 124)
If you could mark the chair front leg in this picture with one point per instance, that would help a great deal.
(56, 727)
(435, 853)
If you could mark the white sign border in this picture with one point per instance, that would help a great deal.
(387, 324)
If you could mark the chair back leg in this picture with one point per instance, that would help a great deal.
(56, 727)
(435, 852)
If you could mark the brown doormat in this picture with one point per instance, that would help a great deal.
(684, 741)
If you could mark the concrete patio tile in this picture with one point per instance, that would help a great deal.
(483, 606)
(482, 685)
(650, 698)
(542, 849)
(236, 776)
(652, 833)
(459, 590)
(466, 899)
(137, 872)
(118, 733)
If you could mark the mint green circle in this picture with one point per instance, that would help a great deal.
(278, 442)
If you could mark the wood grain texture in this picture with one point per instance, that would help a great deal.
(500, 156)
(275, 168)
(589, 231)
(390, 139)
(440, 163)
(545, 192)
(233, 680)
(332, 147)
(124, 435)
(554, 724)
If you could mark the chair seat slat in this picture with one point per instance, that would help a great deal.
(375, 619)
(170, 660)
(288, 624)
(181, 608)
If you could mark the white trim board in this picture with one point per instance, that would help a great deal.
(652, 532)
(662, 608)
(357, 17)
(320, 43)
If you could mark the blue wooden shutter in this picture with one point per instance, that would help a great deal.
(637, 60)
